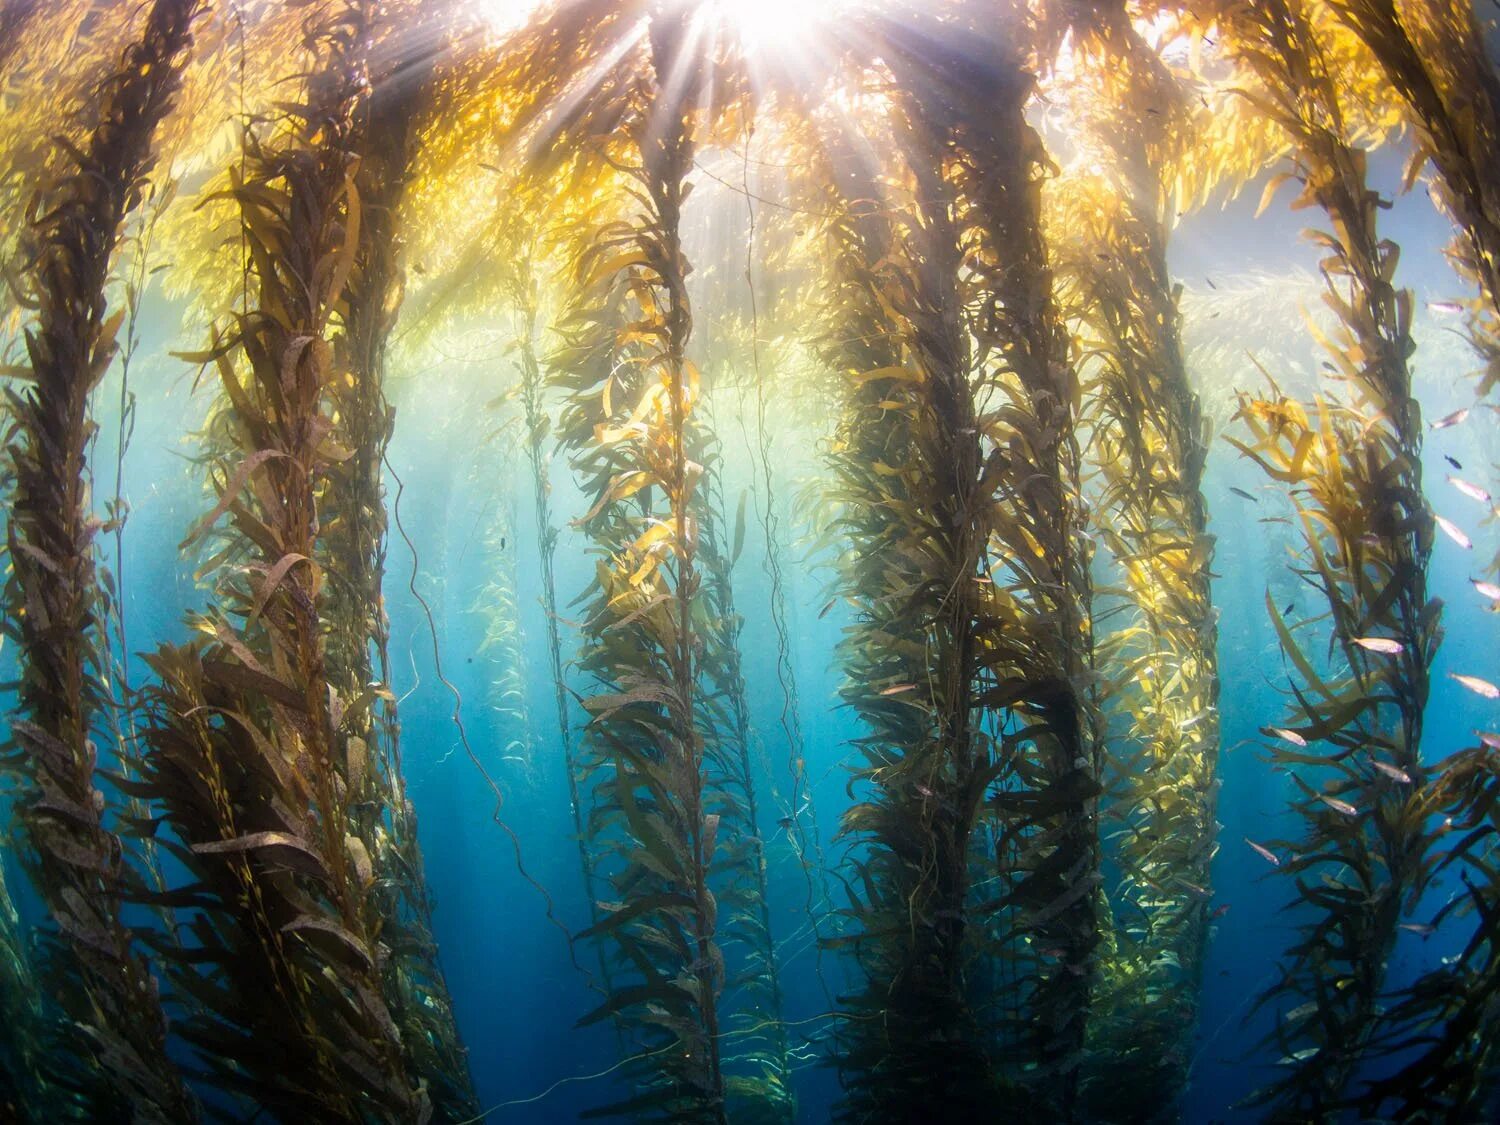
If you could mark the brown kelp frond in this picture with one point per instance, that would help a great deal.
(668, 826)
(1433, 55)
(1448, 1020)
(55, 604)
(969, 659)
(1150, 444)
(258, 757)
(352, 535)
(1352, 463)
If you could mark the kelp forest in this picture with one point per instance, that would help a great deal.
(749, 561)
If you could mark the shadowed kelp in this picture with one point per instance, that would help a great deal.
(668, 827)
(1448, 1047)
(352, 534)
(910, 1042)
(112, 1050)
(26, 1093)
(251, 755)
(970, 658)
(1150, 446)
(1353, 463)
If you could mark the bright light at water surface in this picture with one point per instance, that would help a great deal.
(504, 16)
(771, 24)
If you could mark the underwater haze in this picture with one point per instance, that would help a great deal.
(749, 561)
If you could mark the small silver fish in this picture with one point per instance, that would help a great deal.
(1289, 735)
(1486, 589)
(1265, 853)
(1446, 308)
(1472, 491)
(1337, 805)
(1451, 530)
(1489, 739)
(1421, 928)
(1476, 685)
(1392, 772)
(1383, 645)
(1451, 419)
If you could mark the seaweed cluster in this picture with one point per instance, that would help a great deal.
(957, 253)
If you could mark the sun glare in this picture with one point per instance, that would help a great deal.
(772, 24)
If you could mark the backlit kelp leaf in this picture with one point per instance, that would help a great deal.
(1345, 456)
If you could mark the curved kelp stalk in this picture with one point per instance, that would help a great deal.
(55, 604)
(252, 754)
(969, 659)
(1150, 444)
(1433, 55)
(1352, 461)
(667, 827)
(352, 541)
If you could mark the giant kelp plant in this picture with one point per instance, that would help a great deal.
(672, 823)
(1353, 462)
(971, 659)
(254, 753)
(111, 1017)
(1151, 446)
(956, 300)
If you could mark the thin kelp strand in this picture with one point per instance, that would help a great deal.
(456, 718)
(561, 1082)
(817, 902)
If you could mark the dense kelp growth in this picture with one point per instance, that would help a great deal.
(112, 1051)
(897, 280)
(255, 754)
(1352, 460)
(1150, 445)
(970, 658)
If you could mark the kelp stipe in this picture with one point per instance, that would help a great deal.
(655, 748)
(251, 756)
(352, 536)
(1433, 55)
(909, 1043)
(963, 500)
(522, 277)
(1353, 463)
(113, 1052)
(1150, 445)
(1037, 663)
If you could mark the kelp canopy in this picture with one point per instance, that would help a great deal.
(835, 420)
